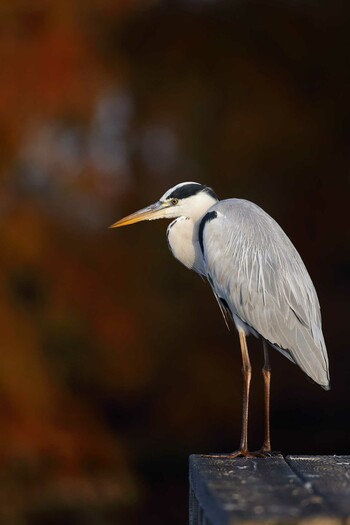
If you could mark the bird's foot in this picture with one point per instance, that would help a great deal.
(262, 453)
(231, 455)
(265, 453)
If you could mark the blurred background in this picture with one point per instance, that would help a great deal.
(115, 364)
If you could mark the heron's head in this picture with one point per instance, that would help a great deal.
(188, 199)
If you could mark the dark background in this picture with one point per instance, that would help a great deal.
(115, 364)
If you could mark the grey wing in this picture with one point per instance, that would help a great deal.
(256, 270)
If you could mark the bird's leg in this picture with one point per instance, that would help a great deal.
(265, 450)
(247, 373)
(266, 371)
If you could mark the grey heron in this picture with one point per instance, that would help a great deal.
(257, 276)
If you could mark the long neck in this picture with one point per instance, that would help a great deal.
(183, 242)
(183, 232)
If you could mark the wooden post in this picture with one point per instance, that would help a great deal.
(304, 490)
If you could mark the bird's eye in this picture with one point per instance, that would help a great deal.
(174, 201)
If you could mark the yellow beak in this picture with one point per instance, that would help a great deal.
(150, 213)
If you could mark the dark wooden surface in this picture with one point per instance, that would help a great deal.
(296, 489)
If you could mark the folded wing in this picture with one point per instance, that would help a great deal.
(253, 266)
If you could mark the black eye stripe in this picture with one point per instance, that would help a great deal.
(187, 190)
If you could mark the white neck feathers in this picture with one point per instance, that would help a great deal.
(183, 232)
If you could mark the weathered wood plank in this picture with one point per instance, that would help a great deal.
(245, 491)
(329, 476)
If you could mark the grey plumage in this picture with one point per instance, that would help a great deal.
(252, 264)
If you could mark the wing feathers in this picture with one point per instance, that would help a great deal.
(257, 270)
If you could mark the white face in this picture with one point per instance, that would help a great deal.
(183, 200)
(174, 205)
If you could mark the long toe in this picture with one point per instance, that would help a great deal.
(236, 454)
(265, 453)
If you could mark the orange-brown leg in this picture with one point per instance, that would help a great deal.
(266, 371)
(266, 450)
(247, 373)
